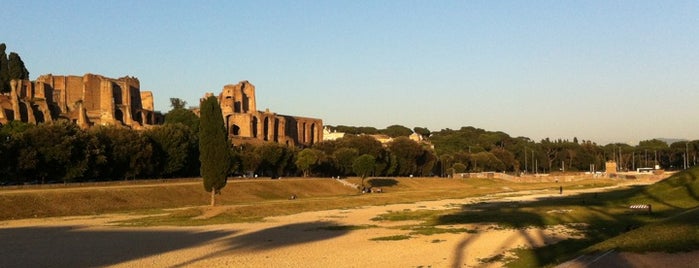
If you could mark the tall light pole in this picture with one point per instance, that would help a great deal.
(525, 159)
(686, 153)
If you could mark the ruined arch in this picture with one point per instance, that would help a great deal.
(23, 112)
(265, 128)
(254, 124)
(312, 134)
(275, 129)
(38, 114)
(304, 132)
(118, 115)
(139, 117)
(235, 130)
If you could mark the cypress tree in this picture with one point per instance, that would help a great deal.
(4, 71)
(16, 67)
(213, 147)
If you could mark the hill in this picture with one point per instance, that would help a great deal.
(676, 205)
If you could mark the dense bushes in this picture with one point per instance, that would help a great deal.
(62, 152)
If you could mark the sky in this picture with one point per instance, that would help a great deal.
(606, 71)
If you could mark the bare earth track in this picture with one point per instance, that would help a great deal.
(309, 239)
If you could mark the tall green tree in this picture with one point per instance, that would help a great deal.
(363, 166)
(273, 158)
(175, 150)
(344, 158)
(422, 131)
(395, 131)
(4, 71)
(305, 159)
(407, 154)
(128, 152)
(214, 149)
(183, 116)
(58, 151)
(177, 103)
(16, 67)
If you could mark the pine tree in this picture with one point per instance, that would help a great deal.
(213, 148)
(4, 71)
(16, 67)
(12, 68)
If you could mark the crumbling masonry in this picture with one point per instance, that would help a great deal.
(86, 100)
(91, 99)
(245, 124)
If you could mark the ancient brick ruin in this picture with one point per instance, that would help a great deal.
(91, 99)
(245, 124)
(86, 100)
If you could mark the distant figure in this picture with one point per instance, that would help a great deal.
(292, 197)
(561, 190)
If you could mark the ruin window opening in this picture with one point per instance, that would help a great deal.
(119, 115)
(276, 130)
(254, 127)
(246, 103)
(38, 115)
(139, 117)
(313, 134)
(235, 129)
(266, 129)
(23, 113)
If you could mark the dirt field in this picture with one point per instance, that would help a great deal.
(309, 239)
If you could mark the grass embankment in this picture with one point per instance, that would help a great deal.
(402, 190)
(248, 199)
(603, 217)
(75, 200)
(675, 204)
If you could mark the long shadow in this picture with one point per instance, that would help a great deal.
(606, 218)
(382, 182)
(277, 237)
(73, 246)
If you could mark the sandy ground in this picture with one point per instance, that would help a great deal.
(300, 240)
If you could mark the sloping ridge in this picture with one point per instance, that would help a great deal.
(672, 241)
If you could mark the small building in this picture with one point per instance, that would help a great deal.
(610, 167)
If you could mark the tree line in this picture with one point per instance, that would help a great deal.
(473, 150)
(62, 152)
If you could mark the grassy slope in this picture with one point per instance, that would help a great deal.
(676, 201)
(671, 227)
(267, 195)
(97, 200)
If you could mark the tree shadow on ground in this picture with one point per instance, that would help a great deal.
(604, 213)
(382, 182)
(277, 237)
(73, 246)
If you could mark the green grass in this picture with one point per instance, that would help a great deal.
(346, 227)
(432, 230)
(408, 215)
(391, 238)
(609, 222)
(610, 225)
(671, 227)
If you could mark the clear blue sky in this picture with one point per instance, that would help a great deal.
(607, 71)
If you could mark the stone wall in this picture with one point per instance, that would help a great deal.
(247, 125)
(87, 100)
